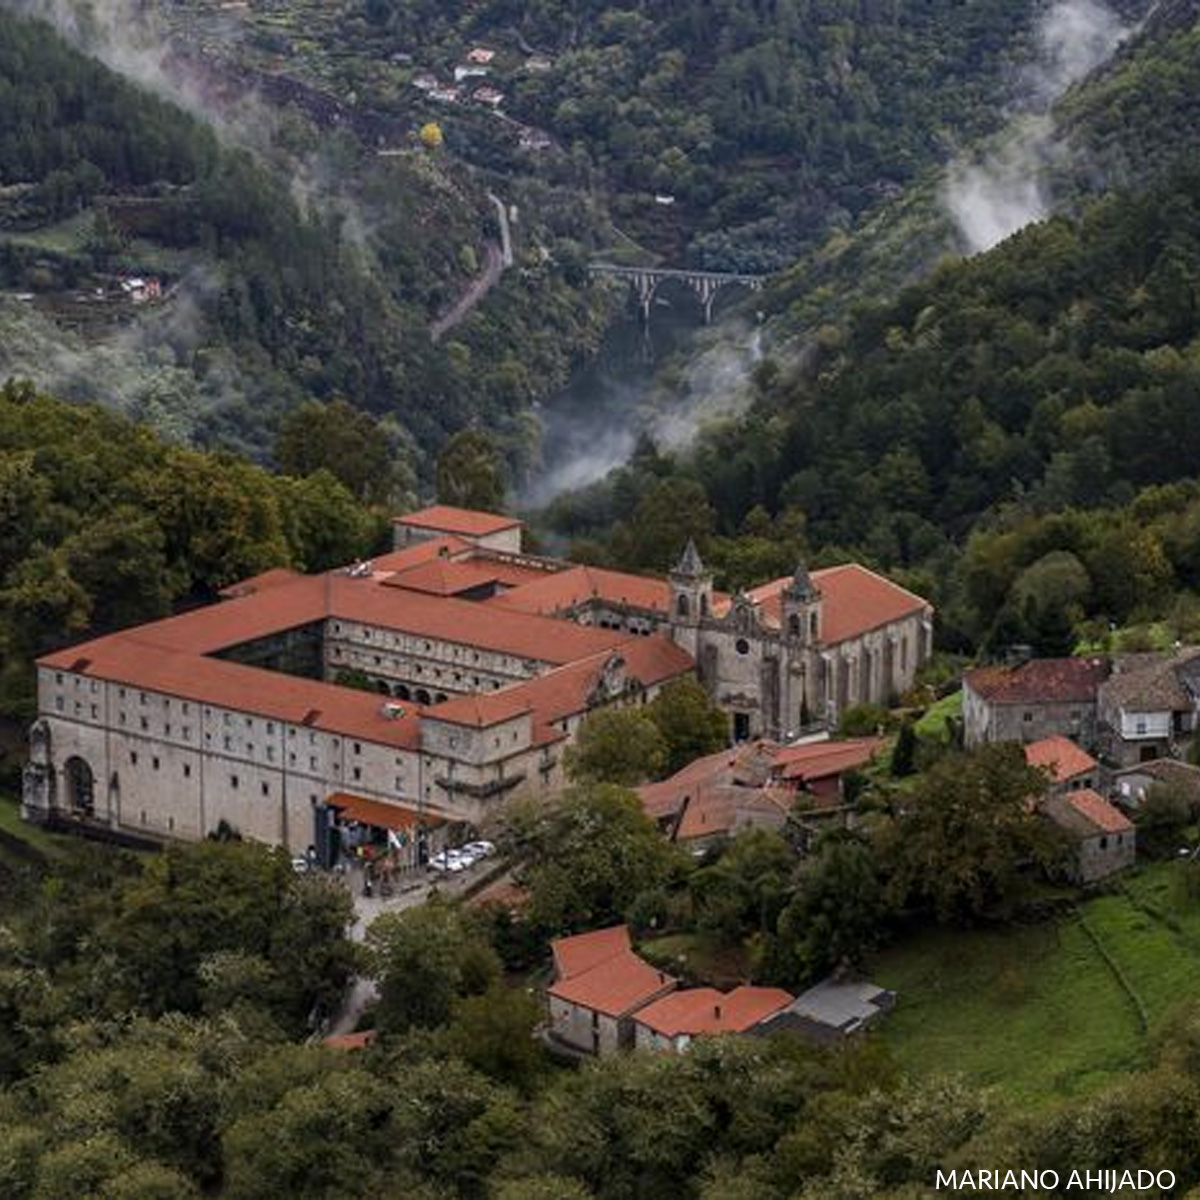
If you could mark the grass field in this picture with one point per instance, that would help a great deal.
(932, 724)
(1037, 1012)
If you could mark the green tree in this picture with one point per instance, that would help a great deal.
(587, 857)
(690, 723)
(425, 959)
(349, 444)
(744, 891)
(470, 472)
(493, 1032)
(1162, 818)
(323, 524)
(616, 745)
(967, 833)
(904, 753)
(837, 912)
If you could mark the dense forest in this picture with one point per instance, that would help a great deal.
(308, 268)
(1017, 433)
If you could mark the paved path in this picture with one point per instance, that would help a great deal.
(364, 990)
(496, 260)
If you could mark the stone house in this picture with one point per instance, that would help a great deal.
(1069, 766)
(1129, 785)
(1148, 706)
(599, 984)
(1035, 699)
(674, 1021)
(1104, 838)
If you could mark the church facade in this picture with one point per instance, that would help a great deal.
(419, 691)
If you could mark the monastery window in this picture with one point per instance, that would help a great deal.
(58, 679)
(187, 733)
(249, 722)
(426, 645)
(742, 646)
(171, 824)
(270, 753)
(141, 697)
(292, 758)
(357, 773)
(337, 627)
(794, 625)
(250, 749)
(96, 687)
(120, 691)
(1027, 716)
(227, 718)
(154, 762)
(60, 704)
(337, 743)
(358, 747)
(78, 708)
(312, 762)
(234, 781)
(399, 784)
(228, 742)
(187, 708)
(812, 626)
(266, 789)
(681, 606)
(167, 729)
(187, 770)
(95, 712)
(1104, 843)
(145, 723)
(270, 726)
(133, 757)
(475, 656)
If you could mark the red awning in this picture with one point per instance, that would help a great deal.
(379, 813)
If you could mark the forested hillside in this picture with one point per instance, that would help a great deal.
(1035, 404)
(102, 525)
(311, 268)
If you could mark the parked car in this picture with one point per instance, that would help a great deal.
(301, 865)
(447, 860)
(480, 849)
(468, 856)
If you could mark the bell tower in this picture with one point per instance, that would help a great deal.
(800, 610)
(691, 598)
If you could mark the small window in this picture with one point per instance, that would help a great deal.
(234, 781)
(145, 723)
(58, 678)
(133, 757)
(58, 703)
(742, 646)
(95, 712)
(266, 789)
(1104, 843)
(187, 770)
(1027, 716)
(154, 762)
(358, 772)
(357, 747)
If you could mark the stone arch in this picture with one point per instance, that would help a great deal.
(421, 696)
(795, 626)
(79, 785)
(402, 692)
(682, 607)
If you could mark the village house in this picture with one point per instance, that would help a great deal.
(473, 665)
(674, 1021)
(753, 785)
(599, 983)
(1130, 784)
(1147, 707)
(469, 72)
(1104, 838)
(489, 96)
(1031, 700)
(1068, 766)
(480, 56)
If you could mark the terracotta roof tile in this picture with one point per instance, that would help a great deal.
(575, 955)
(1086, 813)
(448, 519)
(820, 760)
(567, 589)
(1040, 680)
(854, 601)
(1061, 756)
(705, 1010)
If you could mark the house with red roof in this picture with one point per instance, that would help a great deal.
(674, 1021)
(1068, 766)
(752, 786)
(1104, 838)
(1034, 699)
(599, 984)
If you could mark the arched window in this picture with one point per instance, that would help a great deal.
(812, 627)
(704, 604)
(682, 608)
(794, 626)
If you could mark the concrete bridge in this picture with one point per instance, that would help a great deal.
(706, 284)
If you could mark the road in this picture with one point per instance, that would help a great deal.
(496, 260)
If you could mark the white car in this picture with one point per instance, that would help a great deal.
(447, 860)
(480, 849)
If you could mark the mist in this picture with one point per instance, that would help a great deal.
(990, 197)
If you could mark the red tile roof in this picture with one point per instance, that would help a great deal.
(705, 1010)
(820, 760)
(575, 955)
(566, 690)
(122, 658)
(1086, 813)
(350, 1041)
(854, 601)
(1061, 756)
(599, 971)
(259, 583)
(1040, 680)
(562, 590)
(448, 519)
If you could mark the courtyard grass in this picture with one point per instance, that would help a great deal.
(1037, 1012)
(932, 724)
